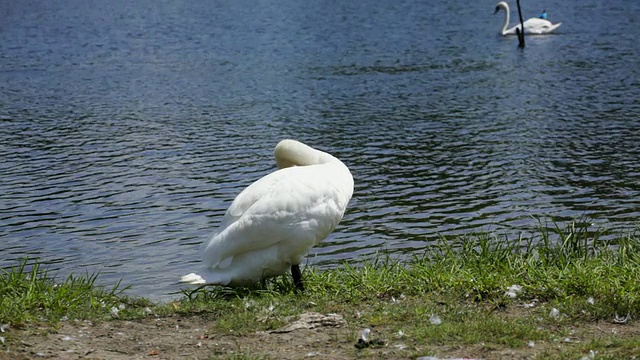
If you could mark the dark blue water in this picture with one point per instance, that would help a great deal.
(126, 128)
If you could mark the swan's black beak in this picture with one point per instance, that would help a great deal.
(497, 9)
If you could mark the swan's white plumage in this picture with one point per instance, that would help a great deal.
(533, 26)
(273, 223)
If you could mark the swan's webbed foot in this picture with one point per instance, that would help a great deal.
(297, 277)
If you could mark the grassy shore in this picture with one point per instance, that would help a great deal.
(477, 292)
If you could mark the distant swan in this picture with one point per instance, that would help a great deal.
(272, 224)
(533, 26)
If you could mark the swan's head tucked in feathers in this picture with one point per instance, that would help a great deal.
(290, 153)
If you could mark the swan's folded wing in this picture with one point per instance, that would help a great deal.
(538, 26)
(536, 22)
(296, 206)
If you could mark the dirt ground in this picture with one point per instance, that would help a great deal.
(173, 338)
(179, 337)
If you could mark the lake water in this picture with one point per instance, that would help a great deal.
(126, 128)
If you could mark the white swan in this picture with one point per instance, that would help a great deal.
(533, 26)
(272, 224)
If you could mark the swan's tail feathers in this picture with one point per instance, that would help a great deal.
(209, 279)
(193, 279)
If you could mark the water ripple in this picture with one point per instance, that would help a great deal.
(125, 134)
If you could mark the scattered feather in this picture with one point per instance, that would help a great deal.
(364, 341)
(515, 288)
(249, 304)
(590, 300)
(435, 320)
(364, 334)
(114, 311)
(513, 291)
(592, 355)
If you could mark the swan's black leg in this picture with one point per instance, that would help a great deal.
(297, 277)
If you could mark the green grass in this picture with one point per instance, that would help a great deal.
(462, 280)
(30, 294)
(480, 268)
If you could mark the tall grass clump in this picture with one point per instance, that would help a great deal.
(561, 266)
(31, 294)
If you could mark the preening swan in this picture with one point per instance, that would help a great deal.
(533, 26)
(272, 224)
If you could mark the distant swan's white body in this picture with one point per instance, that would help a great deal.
(272, 224)
(533, 26)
